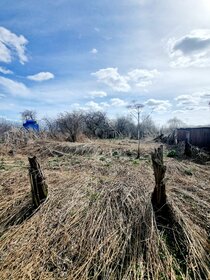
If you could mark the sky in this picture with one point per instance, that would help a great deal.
(64, 55)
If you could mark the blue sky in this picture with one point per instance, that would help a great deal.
(63, 55)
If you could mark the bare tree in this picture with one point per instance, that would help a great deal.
(97, 124)
(125, 127)
(148, 127)
(71, 124)
(175, 123)
(136, 110)
(28, 115)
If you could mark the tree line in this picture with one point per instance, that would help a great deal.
(98, 125)
(95, 124)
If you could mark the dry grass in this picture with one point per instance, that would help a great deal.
(98, 221)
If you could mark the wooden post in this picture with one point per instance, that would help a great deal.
(159, 193)
(188, 148)
(38, 186)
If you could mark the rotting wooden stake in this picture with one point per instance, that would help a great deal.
(159, 193)
(38, 186)
(188, 148)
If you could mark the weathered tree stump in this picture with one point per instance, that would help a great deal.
(165, 215)
(39, 188)
(188, 148)
(159, 193)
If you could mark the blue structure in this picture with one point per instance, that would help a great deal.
(31, 125)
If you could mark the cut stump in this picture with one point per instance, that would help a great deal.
(159, 193)
(39, 188)
(188, 148)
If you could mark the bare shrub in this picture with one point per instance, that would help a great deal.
(97, 125)
(70, 125)
(51, 127)
(125, 127)
(28, 115)
(4, 127)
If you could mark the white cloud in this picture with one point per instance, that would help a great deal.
(94, 51)
(104, 105)
(5, 55)
(186, 109)
(112, 78)
(42, 76)
(75, 106)
(142, 77)
(113, 102)
(187, 100)
(159, 105)
(118, 102)
(192, 49)
(178, 112)
(91, 105)
(5, 71)
(203, 108)
(195, 101)
(13, 87)
(203, 94)
(2, 95)
(12, 45)
(95, 94)
(137, 77)
(183, 97)
(141, 2)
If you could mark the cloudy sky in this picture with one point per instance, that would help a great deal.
(63, 55)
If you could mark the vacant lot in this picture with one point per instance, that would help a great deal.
(98, 221)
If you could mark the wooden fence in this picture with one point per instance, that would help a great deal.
(197, 136)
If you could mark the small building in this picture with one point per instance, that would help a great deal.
(31, 125)
(197, 136)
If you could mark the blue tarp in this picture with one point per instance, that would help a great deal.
(31, 125)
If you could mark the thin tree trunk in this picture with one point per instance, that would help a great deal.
(138, 150)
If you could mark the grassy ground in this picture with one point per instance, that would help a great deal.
(98, 221)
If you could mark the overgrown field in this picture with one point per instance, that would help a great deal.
(98, 221)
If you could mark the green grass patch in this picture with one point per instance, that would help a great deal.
(172, 154)
(188, 172)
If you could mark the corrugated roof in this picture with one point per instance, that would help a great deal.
(195, 127)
